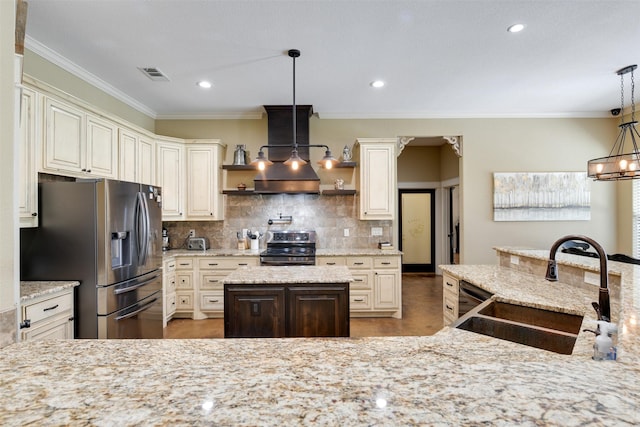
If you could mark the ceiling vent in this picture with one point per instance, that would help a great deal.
(154, 74)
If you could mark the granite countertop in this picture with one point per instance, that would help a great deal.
(289, 274)
(30, 290)
(454, 377)
(248, 252)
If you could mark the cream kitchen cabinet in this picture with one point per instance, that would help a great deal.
(170, 176)
(204, 166)
(78, 143)
(28, 176)
(185, 295)
(137, 157)
(377, 287)
(169, 289)
(377, 178)
(450, 293)
(48, 317)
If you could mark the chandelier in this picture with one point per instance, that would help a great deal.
(294, 161)
(620, 165)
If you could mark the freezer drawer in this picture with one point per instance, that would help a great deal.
(141, 320)
(124, 294)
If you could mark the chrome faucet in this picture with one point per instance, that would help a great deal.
(603, 296)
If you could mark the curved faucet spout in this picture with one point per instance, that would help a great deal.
(552, 271)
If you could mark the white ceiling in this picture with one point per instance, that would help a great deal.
(440, 58)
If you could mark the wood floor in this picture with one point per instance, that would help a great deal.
(421, 315)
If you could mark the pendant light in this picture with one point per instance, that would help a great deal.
(619, 165)
(295, 161)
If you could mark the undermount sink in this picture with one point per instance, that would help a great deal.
(534, 327)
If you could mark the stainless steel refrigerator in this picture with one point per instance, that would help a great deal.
(107, 235)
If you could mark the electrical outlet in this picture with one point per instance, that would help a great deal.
(346, 232)
(192, 233)
(376, 231)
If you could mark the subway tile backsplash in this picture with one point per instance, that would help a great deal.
(327, 215)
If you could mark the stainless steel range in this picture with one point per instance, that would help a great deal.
(290, 247)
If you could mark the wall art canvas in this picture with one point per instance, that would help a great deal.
(541, 196)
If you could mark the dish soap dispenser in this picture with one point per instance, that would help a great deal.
(603, 348)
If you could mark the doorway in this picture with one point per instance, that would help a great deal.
(417, 230)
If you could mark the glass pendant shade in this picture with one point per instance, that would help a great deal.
(295, 161)
(261, 161)
(328, 161)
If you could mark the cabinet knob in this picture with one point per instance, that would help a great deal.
(34, 214)
(358, 299)
(25, 324)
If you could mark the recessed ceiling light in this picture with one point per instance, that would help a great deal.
(515, 28)
(377, 83)
(204, 84)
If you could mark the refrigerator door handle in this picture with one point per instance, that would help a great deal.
(143, 228)
(141, 309)
(134, 287)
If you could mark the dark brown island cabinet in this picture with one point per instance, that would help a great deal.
(286, 310)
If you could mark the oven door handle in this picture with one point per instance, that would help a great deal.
(141, 309)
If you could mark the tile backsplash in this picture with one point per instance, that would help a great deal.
(327, 215)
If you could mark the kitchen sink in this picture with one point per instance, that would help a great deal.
(534, 327)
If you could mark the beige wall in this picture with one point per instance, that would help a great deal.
(43, 70)
(419, 164)
(489, 145)
(449, 163)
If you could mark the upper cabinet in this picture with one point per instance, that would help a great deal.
(170, 167)
(78, 143)
(137, 157)
(377, 178)
(204, 167)
(28, 178)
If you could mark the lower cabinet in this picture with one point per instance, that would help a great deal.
(48, 317)
(263, 311)
(254, 312)
(450, 292)
(377, 287)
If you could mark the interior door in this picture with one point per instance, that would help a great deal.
(417, 230)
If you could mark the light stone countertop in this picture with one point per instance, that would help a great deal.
(247, 252)
(30, 290)
(289, 274)
(452, 378)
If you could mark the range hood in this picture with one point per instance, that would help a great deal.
(278, 177)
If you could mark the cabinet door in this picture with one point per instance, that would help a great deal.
(170, 173)
(378, 181)
(128, 143)
(145, 171)
(102, 148)
(61, 328)
(64, 137)
(318, 311)
(201, 172)
(28, 178)
(386, 291)
(254, 311)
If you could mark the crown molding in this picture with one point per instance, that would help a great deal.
(62, 62)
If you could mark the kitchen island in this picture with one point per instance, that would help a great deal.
(452, 378)
(287, 301)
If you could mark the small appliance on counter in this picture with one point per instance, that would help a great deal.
(165, 240)
(197, 243)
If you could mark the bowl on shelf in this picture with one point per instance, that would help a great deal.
(242, 187)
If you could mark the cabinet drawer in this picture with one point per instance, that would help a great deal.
(331, 260)
(226, 263)
(171, 283)
(359, 301)
(359, 262)
(386, 262)
(449, 307)
(184, 281)
(450, 284)
(212, 301)
(170, 266)
(184, 300)
(361, 280)
(48, 308)
(212, 281)
(184, 264)
(170, 304)
(60, 329)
